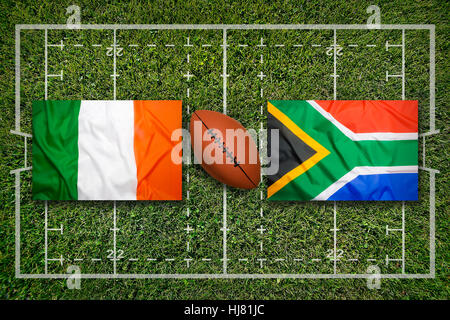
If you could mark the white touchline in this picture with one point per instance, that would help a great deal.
(363, 136)
(17, 131)
(360, 171)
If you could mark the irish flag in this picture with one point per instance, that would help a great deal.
(344, 150)
(105, 150)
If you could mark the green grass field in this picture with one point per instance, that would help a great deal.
(152, 236)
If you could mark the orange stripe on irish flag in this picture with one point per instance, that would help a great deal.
(396, 116)
(158, 177)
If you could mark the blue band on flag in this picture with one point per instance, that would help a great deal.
(398, 186)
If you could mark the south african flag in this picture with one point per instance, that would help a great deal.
(344, 150)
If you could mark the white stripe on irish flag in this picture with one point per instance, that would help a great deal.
(106, 162)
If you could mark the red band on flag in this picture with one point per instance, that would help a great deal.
(365, 116)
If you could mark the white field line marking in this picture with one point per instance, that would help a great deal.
(26, 150)
(387, 46)
(387, 260)
(114, 66)
(188, 75)
(60, 260)
(334, 64)
(226, 276)
(61, 75)
(20, 170)
(261, 213)
(46, 63)
(392, 76)
(188, 228)
(226, 26)
(187, 43)
(432, 171)
(224, 71)
(60, 45)
(423, 152)
(114, 202)
(261, 44)
(60, 229)
(432, 224)
(261, 75)
(403, 64)
(114, 238)
(429, 169)
(17, 222)
(432, 79)
(334, 202)
(392, 230)
(261, 262)
(334, 237)
(21, 134)
(403, 236)
(17, 112)
(46, 237)
(261, 229)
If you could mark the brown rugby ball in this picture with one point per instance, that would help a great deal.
(237, 168)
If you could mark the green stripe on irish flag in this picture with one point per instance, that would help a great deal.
(105, 150)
